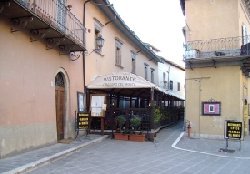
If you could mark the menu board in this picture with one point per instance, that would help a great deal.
(98, 106)
(233, 129)
(82, 120)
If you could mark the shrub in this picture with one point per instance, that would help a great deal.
(135, 122)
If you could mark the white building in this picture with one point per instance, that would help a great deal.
(171, 77)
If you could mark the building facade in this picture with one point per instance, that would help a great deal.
(217, 69)
(172, 79)
(39, 80)
(50, 51)
(122, 51)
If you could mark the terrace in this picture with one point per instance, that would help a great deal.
(215, 48)
(48, 21)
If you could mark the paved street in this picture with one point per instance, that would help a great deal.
(122, 157)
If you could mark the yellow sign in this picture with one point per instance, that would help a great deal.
(233, 129)
(82, 120)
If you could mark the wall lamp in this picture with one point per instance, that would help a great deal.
(99, 42)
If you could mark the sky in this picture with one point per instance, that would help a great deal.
(157, 22)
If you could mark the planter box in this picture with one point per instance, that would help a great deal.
(137, 137)
(121, 136)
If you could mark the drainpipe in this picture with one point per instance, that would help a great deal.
(83, 55)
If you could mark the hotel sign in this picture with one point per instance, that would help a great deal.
(233, 130)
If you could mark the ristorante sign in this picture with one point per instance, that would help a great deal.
(120, 80)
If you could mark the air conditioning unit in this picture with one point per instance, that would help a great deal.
(189, 54)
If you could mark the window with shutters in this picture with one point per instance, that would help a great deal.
(118, 58)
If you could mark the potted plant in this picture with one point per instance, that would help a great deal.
(135, 123)
(120, 134)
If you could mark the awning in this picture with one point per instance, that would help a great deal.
(120, 80)
(126, 80)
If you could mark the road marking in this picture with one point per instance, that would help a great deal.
(206, 153)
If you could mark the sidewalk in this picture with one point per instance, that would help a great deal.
(34, 158)
(215, 147)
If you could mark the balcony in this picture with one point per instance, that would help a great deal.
(46, 20)
(218, 48)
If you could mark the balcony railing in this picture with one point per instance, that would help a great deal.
(49, 19)
(223, 47)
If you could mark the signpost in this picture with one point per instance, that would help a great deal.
(82, 122)
(233, 131)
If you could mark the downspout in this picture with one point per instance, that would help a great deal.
(83, 55)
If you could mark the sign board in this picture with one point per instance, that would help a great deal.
(233, 130)
(120, 80)
(211, 108)
(82, 120)
(98, 105)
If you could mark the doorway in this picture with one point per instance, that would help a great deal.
(60, 104)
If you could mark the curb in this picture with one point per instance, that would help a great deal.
(52, 157)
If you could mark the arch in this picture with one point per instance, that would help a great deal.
(61, 103)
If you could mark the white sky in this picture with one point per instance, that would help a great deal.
(158, 22)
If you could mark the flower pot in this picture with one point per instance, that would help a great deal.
(121, 136)
(137, 137)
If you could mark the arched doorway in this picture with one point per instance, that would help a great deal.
(60, 104)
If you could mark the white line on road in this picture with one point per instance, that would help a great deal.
(206, 153)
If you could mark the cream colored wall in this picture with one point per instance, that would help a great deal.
(211, 19)
(243, 17)
(222, 84)
(27, 102)
(104, 63)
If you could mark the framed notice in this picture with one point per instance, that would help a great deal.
(233, 129)
(211, 108)
(80, 101)
(97, 105)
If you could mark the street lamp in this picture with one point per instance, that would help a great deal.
(99, 42)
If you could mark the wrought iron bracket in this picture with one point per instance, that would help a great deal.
(53, 42)
(37, 34)
(190, 65)
(20, 22)
(214, 63)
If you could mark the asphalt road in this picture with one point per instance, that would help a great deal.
(124, 157)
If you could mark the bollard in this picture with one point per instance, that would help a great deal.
(189, 129)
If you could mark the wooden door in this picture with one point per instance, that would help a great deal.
(60, 108)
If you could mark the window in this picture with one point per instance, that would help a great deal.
(152, 75)
(165, 83)
(178, 86)
(133, 55)
(146, 71)
(98, 29)
(245, 35)
(118, 59)
(171, 85)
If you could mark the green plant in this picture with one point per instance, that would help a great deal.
(135, 122)
(157, 115)
(121, 121)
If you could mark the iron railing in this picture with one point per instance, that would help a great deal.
(223, 47)
(58, 16)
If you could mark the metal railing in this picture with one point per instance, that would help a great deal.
(223, 47)
(58, 16)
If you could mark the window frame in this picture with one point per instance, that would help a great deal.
(118, 55)
(171, 85)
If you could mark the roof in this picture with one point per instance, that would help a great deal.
(111, 13)
(171, 63)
